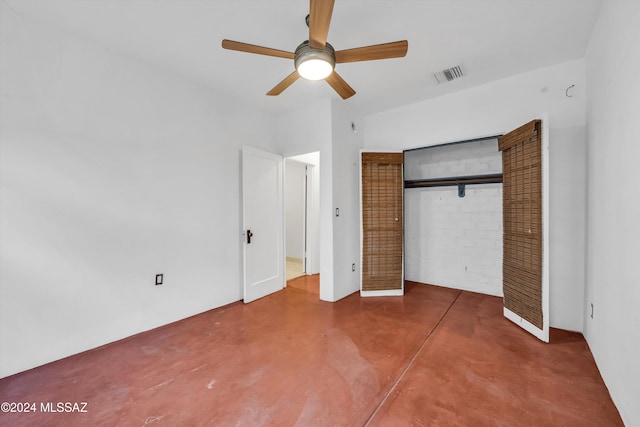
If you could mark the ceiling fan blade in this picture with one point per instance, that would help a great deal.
(339, 85)
(280, 87)
(251, 48)
(319, 20)
(378, 51)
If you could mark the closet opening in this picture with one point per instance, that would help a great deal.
(453, 215)
(493, 237)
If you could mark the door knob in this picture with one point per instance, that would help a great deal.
(249, 236)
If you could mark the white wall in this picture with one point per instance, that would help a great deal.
(497, 108)
(346, 227)
(567, 173)
(613, 286)
(111, 172)
(490, 109)
(294, 198)
(455, 242)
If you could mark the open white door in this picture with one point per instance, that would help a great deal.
(262, 223)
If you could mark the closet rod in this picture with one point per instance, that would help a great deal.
(455, 180)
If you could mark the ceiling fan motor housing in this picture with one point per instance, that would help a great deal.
(306, 53)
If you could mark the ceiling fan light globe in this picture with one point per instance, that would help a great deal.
(315, 69)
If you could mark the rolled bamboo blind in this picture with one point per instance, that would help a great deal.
(522, 221)
(382, 187)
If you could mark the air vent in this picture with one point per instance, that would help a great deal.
(449, 74)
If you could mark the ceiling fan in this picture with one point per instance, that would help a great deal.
(315, 59)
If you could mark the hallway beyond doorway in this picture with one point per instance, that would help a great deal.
(294, 268)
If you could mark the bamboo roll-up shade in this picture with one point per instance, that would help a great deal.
(522, 221)
(382, 187)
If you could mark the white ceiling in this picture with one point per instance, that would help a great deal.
(492, 39)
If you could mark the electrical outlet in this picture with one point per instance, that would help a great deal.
(353, 267)
(159, 279)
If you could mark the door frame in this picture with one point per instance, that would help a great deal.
(311, 209)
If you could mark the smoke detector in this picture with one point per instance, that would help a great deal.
(449, 74)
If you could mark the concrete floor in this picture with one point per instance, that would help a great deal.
(435, 357)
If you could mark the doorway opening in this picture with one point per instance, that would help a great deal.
(301, 212)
